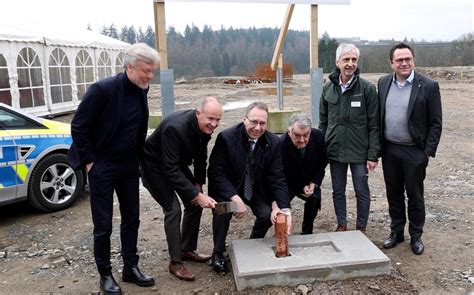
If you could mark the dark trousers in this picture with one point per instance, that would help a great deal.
(360, 180)
(404, 169)
(311, 207)
(180, 235)
(105, 177)
(221, 223)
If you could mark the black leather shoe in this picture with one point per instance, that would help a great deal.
(134, 275)
(219, 263)
(417, 246)
(393, 240)
(108, 285)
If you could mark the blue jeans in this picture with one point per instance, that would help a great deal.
(360, 181)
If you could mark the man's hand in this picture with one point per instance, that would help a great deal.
(89, 166)
(198, 186)
(371, 165)
(309, 190)
(241, 207)
(204, 201)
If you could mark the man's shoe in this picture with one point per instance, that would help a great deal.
(108, 285)
(341, 227)
(219, 263)
(134, 275)
(417, 246)
(393, 240)
(194, 256)
(179, 271)
(363, 229)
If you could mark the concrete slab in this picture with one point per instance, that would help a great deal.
(317, 257)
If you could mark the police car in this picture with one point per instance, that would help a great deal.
(33, 162)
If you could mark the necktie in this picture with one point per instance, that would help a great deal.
(248, 180)
(302, 152)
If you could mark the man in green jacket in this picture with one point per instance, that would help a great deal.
(349, 118)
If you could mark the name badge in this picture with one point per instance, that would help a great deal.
(355, 104)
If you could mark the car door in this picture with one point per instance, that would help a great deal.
(8, 166)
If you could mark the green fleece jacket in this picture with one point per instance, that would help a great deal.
(350, 121)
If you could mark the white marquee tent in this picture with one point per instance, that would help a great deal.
(45, 71)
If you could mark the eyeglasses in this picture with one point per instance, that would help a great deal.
(401, 60)
(254, 123)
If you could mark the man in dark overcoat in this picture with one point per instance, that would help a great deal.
(108, 132)
(177, 143)
(304, 158)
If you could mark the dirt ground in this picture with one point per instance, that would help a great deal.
(52, 253)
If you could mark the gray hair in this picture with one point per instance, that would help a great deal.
(140, 52)
(301, 119)
(344, 48)
(256, 104)
(208, 100)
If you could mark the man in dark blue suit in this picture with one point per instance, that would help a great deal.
(411, 123)
(245, 167)
(304, 158)
(108, 131)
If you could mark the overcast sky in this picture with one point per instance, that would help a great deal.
(429, 20)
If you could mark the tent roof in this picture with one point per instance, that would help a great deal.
(58, 36)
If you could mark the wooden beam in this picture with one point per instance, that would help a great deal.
(160, 33)
(282, 36)
(314, 40)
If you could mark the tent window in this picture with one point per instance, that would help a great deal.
(104, 65)
(60, 77)
(5, 95)
(119, 63)
(30, 81)
(84, 72)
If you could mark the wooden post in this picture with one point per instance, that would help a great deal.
(160, 33)
(314, 40)
(282, 36)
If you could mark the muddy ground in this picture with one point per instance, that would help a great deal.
(52, 253)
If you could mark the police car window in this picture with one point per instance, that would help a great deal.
(9, 121)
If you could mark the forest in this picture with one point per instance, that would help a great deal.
(236, 52)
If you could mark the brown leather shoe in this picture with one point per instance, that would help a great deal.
(179, 271)
(194, 256)
(341, 227)
(363, 229)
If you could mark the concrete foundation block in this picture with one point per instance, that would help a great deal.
(317, 257)
(278, 119)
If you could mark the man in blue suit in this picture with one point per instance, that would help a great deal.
(411, 123)
(108, 131)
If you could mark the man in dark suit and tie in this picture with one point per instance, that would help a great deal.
(177, 143)
(304, 158)
(245, 167)
(108, 131)
(411, 123)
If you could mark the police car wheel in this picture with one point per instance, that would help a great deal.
(54, 185)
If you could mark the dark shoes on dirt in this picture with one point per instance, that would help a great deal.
(134, 275)
(219, 263)
(393, 240)
(108, 285)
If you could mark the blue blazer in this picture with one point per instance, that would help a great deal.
(98, 117)
(424, 111)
